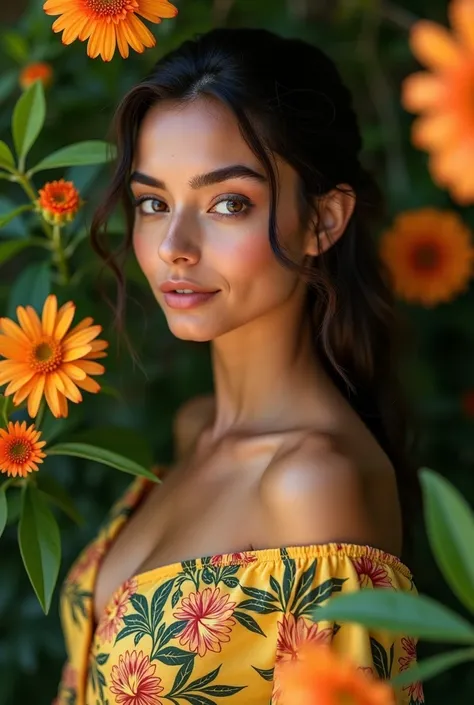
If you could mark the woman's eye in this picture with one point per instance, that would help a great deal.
(150, 206)
(231, 206)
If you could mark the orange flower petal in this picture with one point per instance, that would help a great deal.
(34, 398)
(25, 391)
(69, 389)
(153, 10)
(28, 323)
(83, 337)
(76, 353)
(433, 45)
(11, 348)
(92, 368)
(19, 381)
(89, 384)
(50, 310)
(435, 131)
(13, 330)
(73, 371)
(422, 91)
(461, 16)
(64, 320)
(51, 394)
(35, 320)
(122, 42)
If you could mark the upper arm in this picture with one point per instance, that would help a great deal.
(189, 421)
(315, 494)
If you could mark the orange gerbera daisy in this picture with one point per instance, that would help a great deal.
(44, 358)
(108, 23)
(58, 202)
(20, 449)
(39, 71)
(429, 255)
(444, 98)
(320, 677)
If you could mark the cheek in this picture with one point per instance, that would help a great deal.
(144, 252)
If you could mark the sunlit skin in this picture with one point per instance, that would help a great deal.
(276, 443)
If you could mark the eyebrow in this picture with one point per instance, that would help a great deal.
(234, 171)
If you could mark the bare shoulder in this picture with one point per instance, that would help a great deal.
(315, 492)
(190, 419)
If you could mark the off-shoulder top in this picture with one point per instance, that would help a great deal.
(210, 631)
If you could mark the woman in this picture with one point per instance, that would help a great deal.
(249, 213)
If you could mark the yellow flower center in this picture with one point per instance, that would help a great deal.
(46, 356)
(18, 451)
(111, 8)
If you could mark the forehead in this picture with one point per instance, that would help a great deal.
(198, 134)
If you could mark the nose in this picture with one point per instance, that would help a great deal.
(179, 245)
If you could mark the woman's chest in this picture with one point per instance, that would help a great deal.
(176, 521)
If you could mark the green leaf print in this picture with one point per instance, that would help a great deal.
(231, 582)
(248, 622)
(288, 575)
(177, 595)
(102, 659)
(379, 657)
(170, 632)
(198, 699)
(304, 583)
(262, 602)
(159, 600)
(266, 673)
(222, 691)
(140, 604)
(319, 594)
(137, 621)
(208, 576)
(182, 676)
(199, 683)
(138, 637)
(276, 587)
(77, 601)
(172, 656)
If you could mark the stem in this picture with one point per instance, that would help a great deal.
(27, 187)
(59, 254)
(40, 415)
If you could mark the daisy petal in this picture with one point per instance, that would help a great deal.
(50, 309)
(433, 45)
(36, 395)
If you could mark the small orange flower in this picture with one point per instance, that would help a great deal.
(429, 254)
(443, 97)
(209, 621)
(320, 677)
(108, 24)
(39, 71)
(59, 202)
(20, 449)
(43, 358)
(111, 621)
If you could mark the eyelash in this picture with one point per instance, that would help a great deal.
(137, 202)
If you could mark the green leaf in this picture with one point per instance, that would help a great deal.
(40, 544)
(4, 220)
(10, 248)
(104, 456)
(266, 673)
(248, 622)
(172, 656)
(433, 666)
(125, 441)
(31, 287)
(79, 154)
(6, 157)
(3, 509)
(56, 493)
(15, 45)
(400, 613)
(6, 408)
(450, 528)
(14, 505)
(28, 119)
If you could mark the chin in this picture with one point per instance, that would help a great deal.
(193, 333)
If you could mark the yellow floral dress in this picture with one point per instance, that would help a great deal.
(210, 631)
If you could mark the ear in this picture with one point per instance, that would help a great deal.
(333, 211)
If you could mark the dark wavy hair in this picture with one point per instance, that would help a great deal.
(289, 99)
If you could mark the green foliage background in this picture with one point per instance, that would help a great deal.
(369, 41)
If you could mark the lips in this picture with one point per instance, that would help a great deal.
(180, 285)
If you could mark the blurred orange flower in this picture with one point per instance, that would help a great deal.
(443, 96)
(39, 71)
(320, 677)
(429, 255)
(108, 24)
(58, 202)
(20, 449)
(43, 358)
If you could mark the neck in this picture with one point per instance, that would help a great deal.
(267, 377)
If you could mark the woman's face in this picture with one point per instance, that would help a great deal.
(201, 219)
